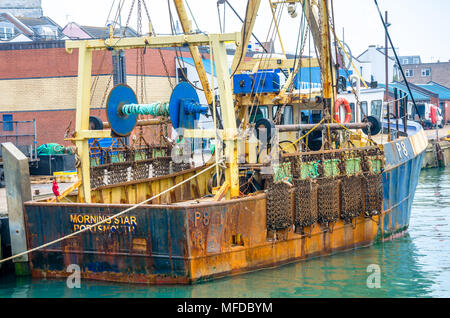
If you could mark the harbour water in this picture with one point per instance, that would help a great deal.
(416, 265)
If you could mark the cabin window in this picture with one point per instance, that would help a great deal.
(409, 73)
(304, 117)
(258, 112)
(352, 107)
(363, 109)
(8, 122)
(376, 108)
(287, 117)
(426, 72)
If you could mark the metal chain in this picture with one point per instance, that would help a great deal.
(279, 215)
(302, 48)
(159, 49)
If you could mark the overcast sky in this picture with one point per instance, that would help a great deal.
(419, 27)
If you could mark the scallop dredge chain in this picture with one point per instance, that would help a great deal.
(324, 199)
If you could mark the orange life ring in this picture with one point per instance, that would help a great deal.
(342, 101)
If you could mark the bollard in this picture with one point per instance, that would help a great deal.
(18, 191)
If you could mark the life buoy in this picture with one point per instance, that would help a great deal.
(342, 101)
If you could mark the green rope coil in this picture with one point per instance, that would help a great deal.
(155, 109)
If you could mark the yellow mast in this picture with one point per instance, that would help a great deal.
(328, 71)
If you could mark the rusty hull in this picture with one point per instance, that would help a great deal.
(176, 244)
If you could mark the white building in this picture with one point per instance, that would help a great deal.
(372, 65)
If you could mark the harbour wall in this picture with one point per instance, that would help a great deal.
(432, 157)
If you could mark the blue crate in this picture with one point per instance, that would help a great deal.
(266, 82)
(242, 83)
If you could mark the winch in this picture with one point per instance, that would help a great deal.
(122, 108)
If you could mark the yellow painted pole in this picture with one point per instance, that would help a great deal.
(82, 121)
(228, 113)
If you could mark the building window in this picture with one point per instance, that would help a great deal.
(416, 61)
(6, 33)
(405, 61)
(8, 122)
(426, 72)
(409, 73)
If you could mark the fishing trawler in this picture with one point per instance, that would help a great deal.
(286, 181)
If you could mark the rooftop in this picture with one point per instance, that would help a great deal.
(103, 32)
(418, 96)
(442, 91)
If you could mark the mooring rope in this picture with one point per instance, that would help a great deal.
(109, 218)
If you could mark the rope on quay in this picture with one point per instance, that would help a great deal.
(111, 217)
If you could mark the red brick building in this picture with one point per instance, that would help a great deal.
(39, 80)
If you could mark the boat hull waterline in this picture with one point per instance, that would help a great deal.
(189, 243)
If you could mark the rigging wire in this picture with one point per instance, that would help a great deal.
(193, 17)
(398, 62)
(244, 36)
(177, 53)
(239, 17)
(96, 79)
(218, 14)
(159, 49)
(301, 40)
(255, 99)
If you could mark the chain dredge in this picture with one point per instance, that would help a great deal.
(328, 200)
(328, 186)
(373, 188)
(306, 213)
(120, 163)
(351, 198)
(279, 206)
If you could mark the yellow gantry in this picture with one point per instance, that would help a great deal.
(82, 132)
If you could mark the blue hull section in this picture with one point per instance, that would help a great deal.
(403, 166)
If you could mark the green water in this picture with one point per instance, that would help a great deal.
(417, 265)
